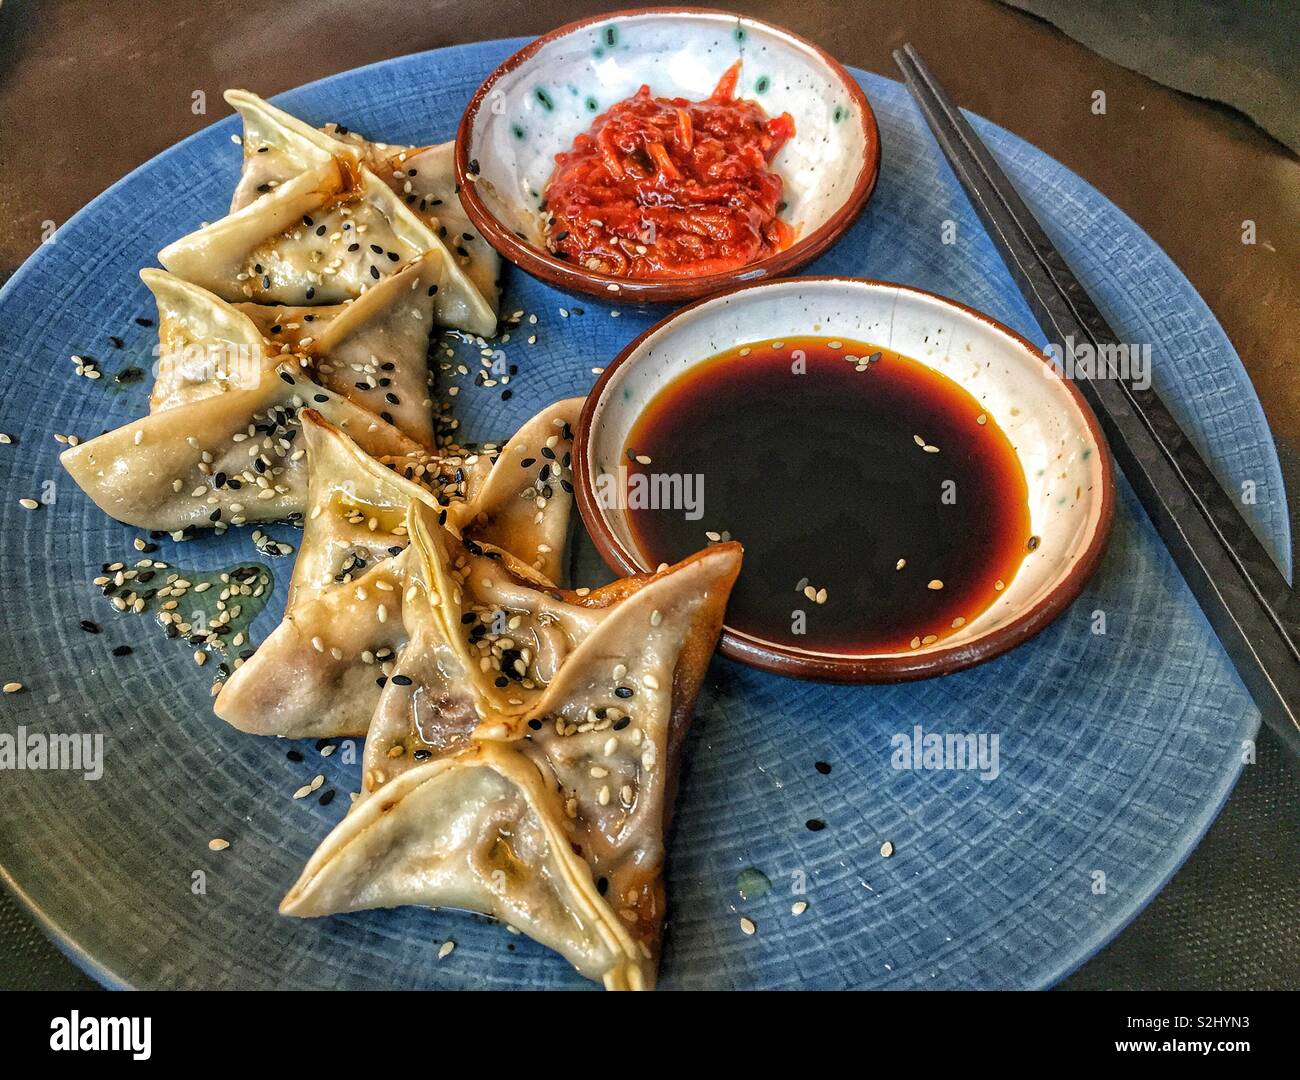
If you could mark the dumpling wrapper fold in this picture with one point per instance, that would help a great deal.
(229, 459)
(310, 213)
(477, 832)
(373, 350)
(604, 736)
(317, 675)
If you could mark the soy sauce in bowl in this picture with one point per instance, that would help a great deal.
(880, 507)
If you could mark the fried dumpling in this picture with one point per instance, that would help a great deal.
(582, 774)
(373, 350)
(315, 675)
(321, 671)
(223, 460)
(279, 150)
(478, 832)
(277, 146)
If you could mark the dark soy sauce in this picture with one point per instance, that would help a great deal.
(831, 479)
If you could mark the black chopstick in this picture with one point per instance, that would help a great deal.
(1248, 602)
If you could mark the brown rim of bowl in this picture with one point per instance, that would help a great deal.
(561, 274)
(894, 667)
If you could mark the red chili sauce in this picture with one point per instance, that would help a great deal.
(670, 188)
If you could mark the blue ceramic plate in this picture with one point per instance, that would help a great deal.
(1116, 749)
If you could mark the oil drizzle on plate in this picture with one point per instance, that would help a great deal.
(208, 609)
(880, 507)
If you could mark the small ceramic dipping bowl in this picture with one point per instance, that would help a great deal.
(1053, 432)
(534, 105)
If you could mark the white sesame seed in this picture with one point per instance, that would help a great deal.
(446, 950)
(747, 926)
(218, 844)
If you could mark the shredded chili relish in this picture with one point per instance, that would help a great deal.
(670, 188)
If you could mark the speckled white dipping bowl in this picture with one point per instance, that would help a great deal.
(534, 105)
(1053, 431)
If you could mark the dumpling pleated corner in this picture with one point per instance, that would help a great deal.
(320, 671)
(578, 717)
(312, 222)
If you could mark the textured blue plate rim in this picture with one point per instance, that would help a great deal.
(64, 939)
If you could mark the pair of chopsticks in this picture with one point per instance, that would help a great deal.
(1248, 602)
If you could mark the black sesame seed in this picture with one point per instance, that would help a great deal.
(815, 824)
(535, 724)
(823, 767)
(621, 723)
(90, 627)
(293, 755)
(623, 691)
(122, 650)
(402, 680)
(374, 272)
(327, 797)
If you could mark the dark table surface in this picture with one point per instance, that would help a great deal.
(89, 89)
